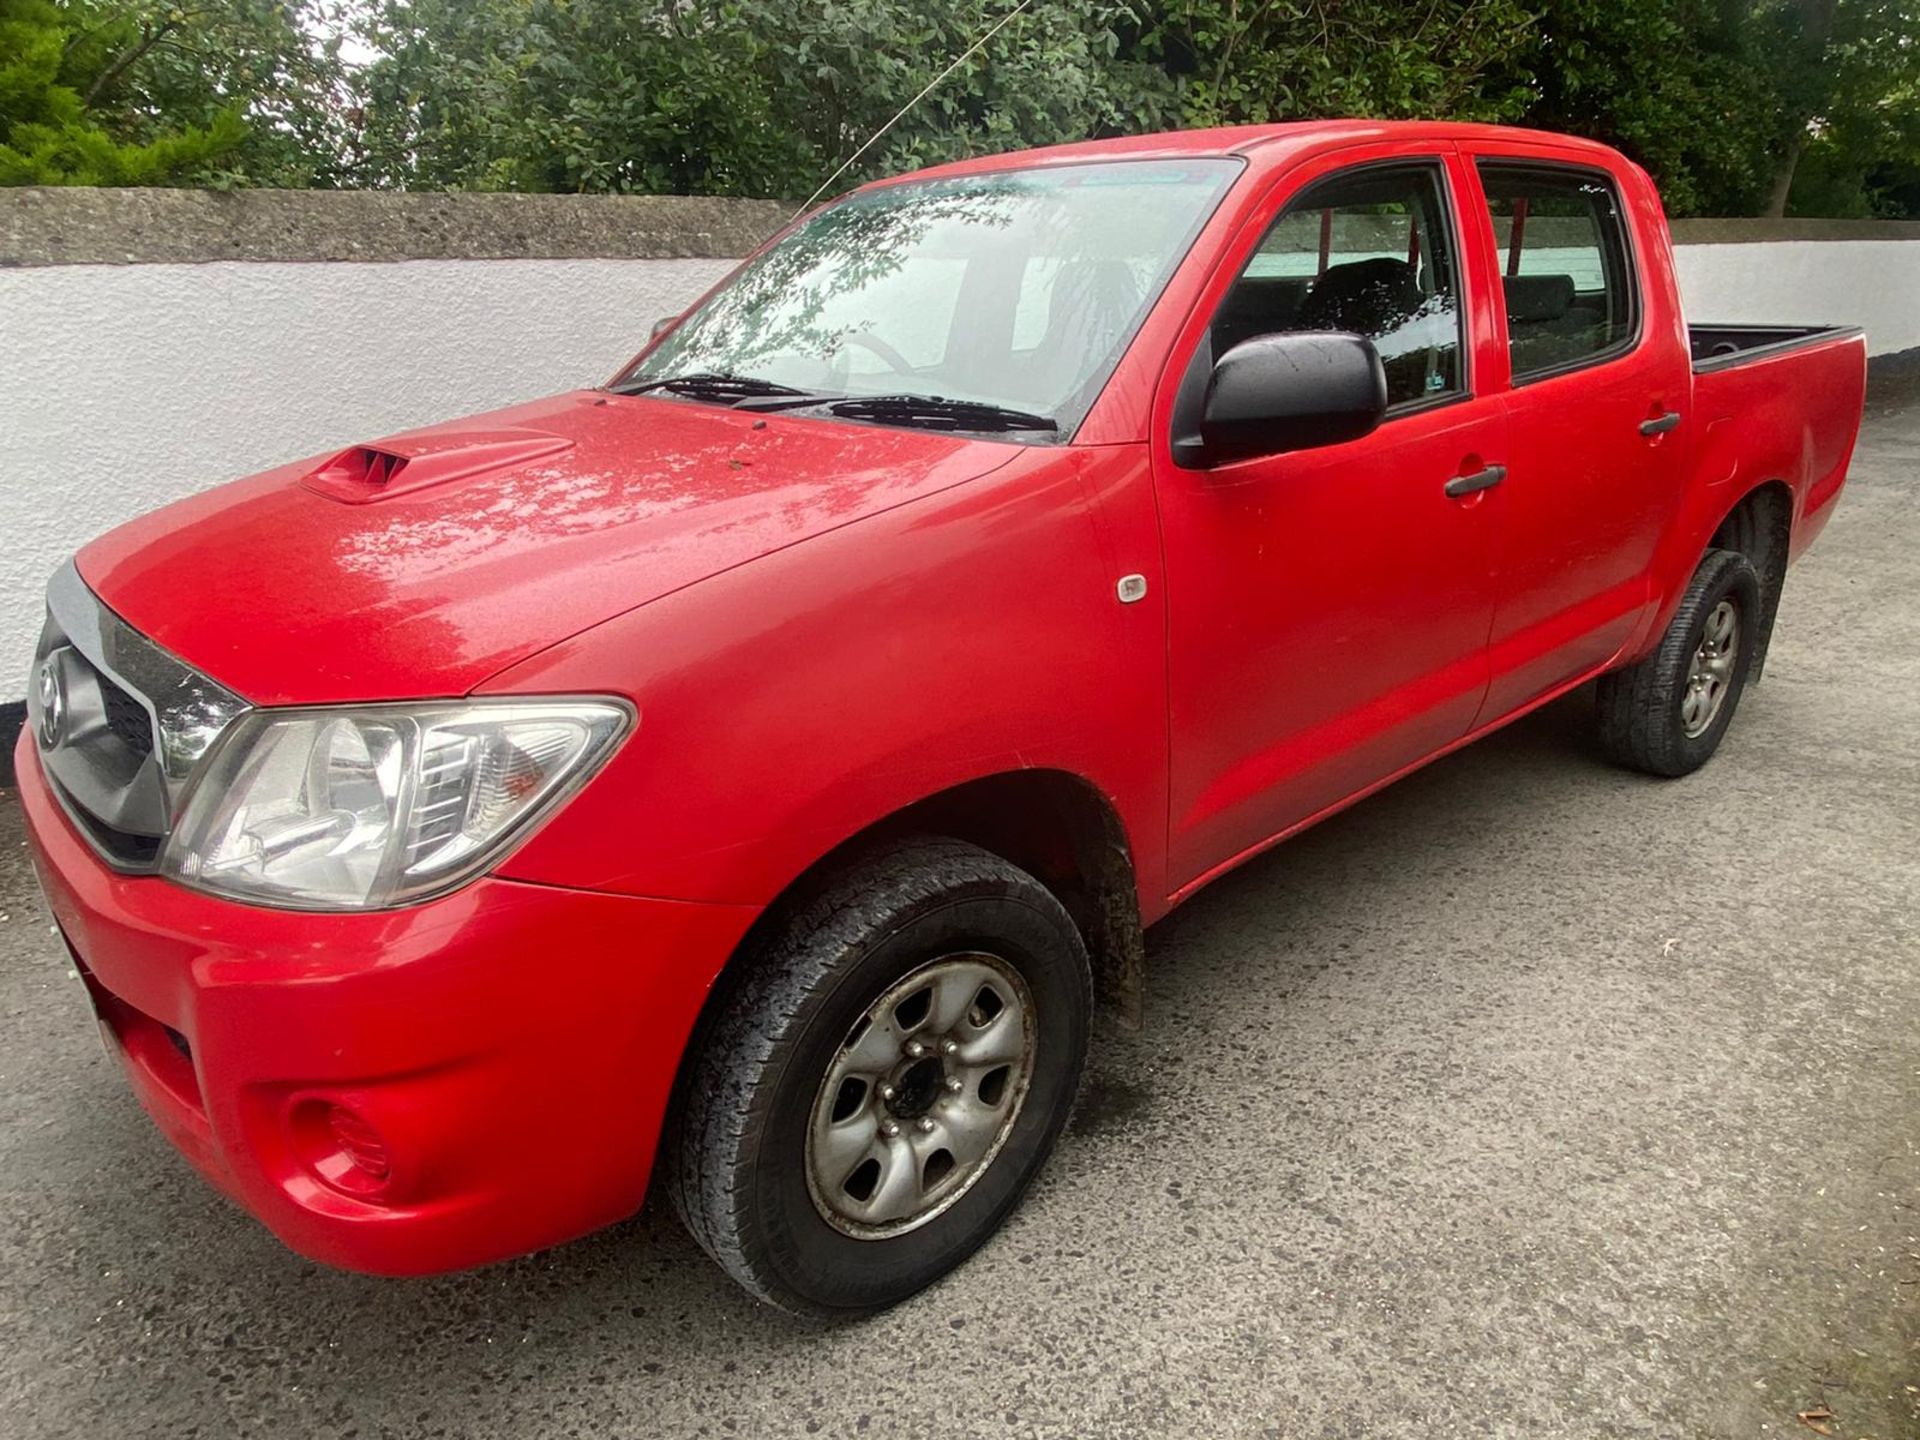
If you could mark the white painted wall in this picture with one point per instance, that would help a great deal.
(1871, 283)
(123, 387)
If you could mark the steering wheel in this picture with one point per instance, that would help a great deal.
(895, 361)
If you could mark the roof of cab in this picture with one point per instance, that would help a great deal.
(1244, 140)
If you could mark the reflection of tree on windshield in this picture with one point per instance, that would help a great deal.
(1012, 292)
(774, 308)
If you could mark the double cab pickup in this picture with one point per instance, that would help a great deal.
(749, 774)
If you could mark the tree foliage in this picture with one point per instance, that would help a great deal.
(1247, 62)
(106, 92)
(54, 64)
(735, 97)
(1736, 106)
(1726, 101)
(1852, 119)
(1723, 100)
(569, 95)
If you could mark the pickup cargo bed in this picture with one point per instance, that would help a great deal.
(1717, 347)
(1784, 405)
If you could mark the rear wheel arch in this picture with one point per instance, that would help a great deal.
(1760, 526)
(1665, 714)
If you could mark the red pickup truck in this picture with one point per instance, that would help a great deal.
(759, 764)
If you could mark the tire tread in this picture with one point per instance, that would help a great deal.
(784, 972)
(1637, 707)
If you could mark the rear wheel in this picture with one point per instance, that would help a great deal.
(883, 1079)
(1666, 714)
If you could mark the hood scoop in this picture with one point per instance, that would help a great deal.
(405, 464)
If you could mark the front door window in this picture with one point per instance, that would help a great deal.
(1371, 252)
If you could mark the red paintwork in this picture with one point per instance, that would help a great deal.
(513, 1043)
(407, 463)
(822, 623)
(430, 589)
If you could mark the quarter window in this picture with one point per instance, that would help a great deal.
(1369, 251)
(1571, 298)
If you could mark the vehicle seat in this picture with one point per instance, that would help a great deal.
(1547, 323)
(1375, 298)
(1538, 299)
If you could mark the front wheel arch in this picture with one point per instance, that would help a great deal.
(1058, 827)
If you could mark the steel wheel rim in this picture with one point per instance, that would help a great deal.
(1710, 675)
(920, 1096)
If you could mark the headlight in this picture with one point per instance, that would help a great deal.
(356, 809)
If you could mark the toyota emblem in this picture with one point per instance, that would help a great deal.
(53, 703)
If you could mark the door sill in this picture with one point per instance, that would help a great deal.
(1260, 847)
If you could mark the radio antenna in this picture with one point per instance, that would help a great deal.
(932, 85)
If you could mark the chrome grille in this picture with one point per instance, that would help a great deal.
(119, 723)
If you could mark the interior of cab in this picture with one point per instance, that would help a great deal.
(1369, 252)
(1564, 255)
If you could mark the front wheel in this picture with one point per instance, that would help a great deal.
(883, 1079)
(1666, 714)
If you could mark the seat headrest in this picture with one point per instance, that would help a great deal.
(1532, 299)
(1368, 297)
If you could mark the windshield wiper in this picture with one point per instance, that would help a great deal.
(937, 413)
(716, 385)
(932, 412)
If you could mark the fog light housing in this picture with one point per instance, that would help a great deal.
(341, 1148)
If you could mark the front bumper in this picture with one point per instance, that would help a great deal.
(513, 1045)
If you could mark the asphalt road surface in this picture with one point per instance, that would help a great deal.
(1527, 1098)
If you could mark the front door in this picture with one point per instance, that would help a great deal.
(1328, 609)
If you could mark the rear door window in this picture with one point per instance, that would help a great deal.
(1572, 298)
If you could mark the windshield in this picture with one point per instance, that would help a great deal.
(1015, 290)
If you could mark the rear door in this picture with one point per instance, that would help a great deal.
(1596, 416)
(1328, 609)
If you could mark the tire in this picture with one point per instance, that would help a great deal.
(1644, 719)
(763, 1169)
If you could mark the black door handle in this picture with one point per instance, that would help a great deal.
(1666, 422)
(1483, 480)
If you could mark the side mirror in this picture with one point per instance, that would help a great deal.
(1276, 393)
